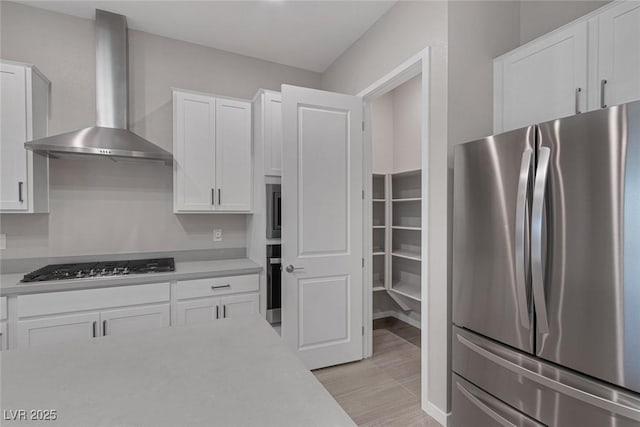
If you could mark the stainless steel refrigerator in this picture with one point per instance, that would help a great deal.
(546, 274)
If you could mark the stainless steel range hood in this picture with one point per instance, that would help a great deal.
(111, 136)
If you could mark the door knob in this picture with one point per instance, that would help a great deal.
(290, 268)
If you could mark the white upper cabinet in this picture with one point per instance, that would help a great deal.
(194, 152)
(546, 79)
(619, 55)
(212, 152)
(24, 179)
(233, 155)
(272, 134)
(542, 80)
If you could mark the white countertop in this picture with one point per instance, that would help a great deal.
(231, 372)
(10, 283)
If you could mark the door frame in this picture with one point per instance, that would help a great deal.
(418, 64)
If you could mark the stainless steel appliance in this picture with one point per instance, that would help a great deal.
(546, 274)
(274, 211)
(274, 267)
(85, 270)
(111, 136)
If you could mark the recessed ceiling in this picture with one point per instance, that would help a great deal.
(305, 34)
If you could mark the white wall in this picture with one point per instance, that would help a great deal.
(407, 125)
(406, 29)
(538, 17)
(100, 207)
(396, 128)
(382, 134)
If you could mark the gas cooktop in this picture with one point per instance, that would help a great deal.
(86, 270)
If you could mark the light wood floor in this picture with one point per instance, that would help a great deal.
(383, 390)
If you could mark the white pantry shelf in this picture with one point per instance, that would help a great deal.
(407, 255)
(407, 290)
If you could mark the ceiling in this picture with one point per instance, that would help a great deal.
(305, 34)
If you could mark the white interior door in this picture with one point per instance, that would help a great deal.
(322, 225)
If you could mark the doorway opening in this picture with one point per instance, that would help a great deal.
(396, 153)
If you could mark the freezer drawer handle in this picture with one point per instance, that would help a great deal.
(537, 273)
(484, 408)
(613, 407)
(521, 237)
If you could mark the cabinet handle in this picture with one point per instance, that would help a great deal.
(219, 196)
(213, 288)
(217, 311)
(224, 311)
(20, 184)
(603, 84)
(578, 90)
(1, 341)
(95, 327)
(213, 196)
(104, 328)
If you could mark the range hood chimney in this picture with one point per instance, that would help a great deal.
(111, 136)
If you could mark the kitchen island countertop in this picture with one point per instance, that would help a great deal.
(231, 372)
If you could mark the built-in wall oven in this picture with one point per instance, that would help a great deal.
(273, 283)
(274, 215)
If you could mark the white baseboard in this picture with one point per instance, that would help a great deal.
(437, 414)
(410, 320)
(398, 315)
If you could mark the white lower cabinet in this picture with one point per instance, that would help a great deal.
(240, 305)
(134, 319)
(57, 329)
(84, 314)
(73, 316)
(202, 310)
(197, 311)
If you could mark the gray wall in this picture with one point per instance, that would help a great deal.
(407, 28)
(100, 207)
(538, 17)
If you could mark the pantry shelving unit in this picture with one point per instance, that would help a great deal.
(406, 234)
(397, 233)
(380, 233)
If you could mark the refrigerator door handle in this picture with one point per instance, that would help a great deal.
(630, 412)
(521, 237)
(476, 400)
(537, 272)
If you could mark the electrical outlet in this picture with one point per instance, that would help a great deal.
(217, 234)
(3, 241)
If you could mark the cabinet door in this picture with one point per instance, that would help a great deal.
(194, 152)
(240, 305)
(233, 155)
(4, 342)
(13, 156)
(198, 311)
(134, 319)
(272, 134)
(542, 81)
(619, 55)
(56, 329)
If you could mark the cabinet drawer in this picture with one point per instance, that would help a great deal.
(3, 307)
(216, 286)
(91, 299)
